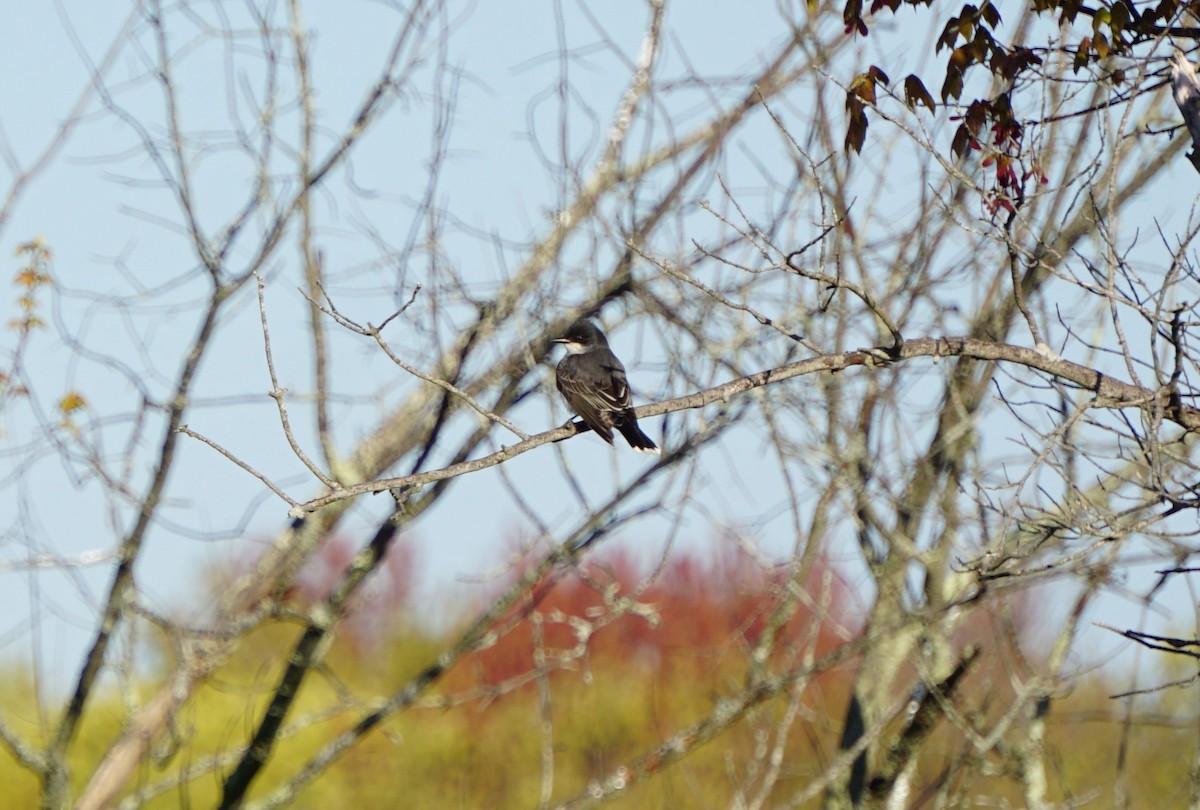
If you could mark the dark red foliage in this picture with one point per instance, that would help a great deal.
(710, 611)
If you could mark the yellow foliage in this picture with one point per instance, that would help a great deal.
(488, 750)
(35, 246)
(30, 276)
(70, 402)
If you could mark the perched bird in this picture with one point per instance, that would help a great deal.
(592, 380)
(1186, 89)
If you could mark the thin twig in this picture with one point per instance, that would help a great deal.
(276, 393)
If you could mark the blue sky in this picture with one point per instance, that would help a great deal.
(115, 237)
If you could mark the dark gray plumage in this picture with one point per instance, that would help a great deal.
(592, 381)
(1186, 90)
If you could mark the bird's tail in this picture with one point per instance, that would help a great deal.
(633, 434)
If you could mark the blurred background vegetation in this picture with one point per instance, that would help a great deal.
(478, 740)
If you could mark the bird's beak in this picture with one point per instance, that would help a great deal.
(560, 340)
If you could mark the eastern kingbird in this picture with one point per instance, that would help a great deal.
(1186, 89)
(592, 380)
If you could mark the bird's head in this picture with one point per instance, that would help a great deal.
(582, 336)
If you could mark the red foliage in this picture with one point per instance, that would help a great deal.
(710, 610)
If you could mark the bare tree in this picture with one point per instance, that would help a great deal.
(947, 339)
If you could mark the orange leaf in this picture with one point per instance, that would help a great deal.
(71, 401)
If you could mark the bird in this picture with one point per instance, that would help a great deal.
(592, 381)
(1186, 89)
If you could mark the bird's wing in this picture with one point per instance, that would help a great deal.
(584, 395)
(599, 376)
(611, 385)
(1186, 89)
